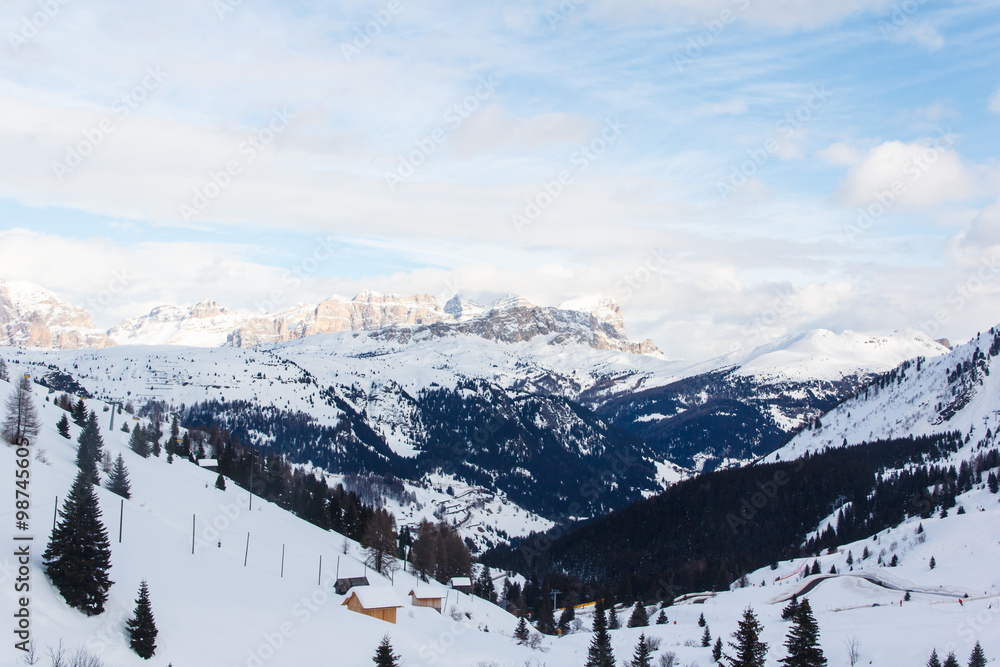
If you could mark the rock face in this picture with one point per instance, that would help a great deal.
(31, 316)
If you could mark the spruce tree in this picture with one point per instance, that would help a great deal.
(643, 653)
(717, 649)
(90, 448)
(599, 654)
(978, 657)
(141, 628)
(138, 442)
(78, 556)
(993, 483)
(701, 620)
(803, 640)
(384, 657)
(934, 660)
(788, 613)
(80, 413)
(613, 622)
(951, 661)
(220, 481)
(566, 617)
(522, 633)
(118, 479)
(749, 649)
(933, 563)
(639, 618)
(63, 426)
(706, 637)
(488, 590)
(662, 618)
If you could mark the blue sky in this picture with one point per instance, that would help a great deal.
(733, 171)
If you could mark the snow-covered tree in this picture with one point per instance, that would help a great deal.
(643, 653)
(138, 442)
(978, 657)
(639, 618)
(78, 556)
(21, 420)
(141, 628)
(600, 654)
(63, 426)
(522, 633)
(384, 657)
(749, 650)
(118, 479)
(803, 640)
(661, 619)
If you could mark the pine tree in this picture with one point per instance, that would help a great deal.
(139, 443)
(384, 657)
(63, 426)
(124, 428)
(934, 660)
(522, 633)
(951, 661)
(80, 413)
(78, 556)
(21, 420)
(701, 620)
(662, 618)
(850, 558)
(978, 657)
(815, 568)
(643, 653)
(487, 590)
(220, 481)
(90, 448)
(717, 649)
(639, 618)
(600, 654)
(3, 371)
(118, 479)
(933, 563)
(788, 613)
(993, 483)
(750, 650)
(566, 617)
(141, 628)
(803, 640)
(895, 561)
(613, 621)
(706, 638)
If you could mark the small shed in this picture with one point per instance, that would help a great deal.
(426, 596)
(377, 602)
(345, 584)
(463, 584)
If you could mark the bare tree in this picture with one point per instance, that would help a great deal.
(57, 655)
(30, 656)
(380, 541)
(853, 645)
(22, 418)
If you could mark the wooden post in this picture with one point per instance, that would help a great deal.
(55, 513)
(338, 567)
(192, 533)
(282, 561)
(319, 578)
(246, 555)
(121, 516)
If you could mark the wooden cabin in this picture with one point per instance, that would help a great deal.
(345, 584)
(463, 584)
(425, 596)
(377, 602)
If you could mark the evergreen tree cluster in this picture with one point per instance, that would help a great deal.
(440, 553)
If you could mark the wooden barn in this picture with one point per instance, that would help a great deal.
(345, 584)
(377, 602)
(426, 596)
(463, 584)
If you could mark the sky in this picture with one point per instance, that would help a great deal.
(731, 171)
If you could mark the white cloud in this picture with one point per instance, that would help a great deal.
(922, 173)
(919, 33)
(732, 107)
(783, 14)
(841, 154)
(994, 103)
(494, 128)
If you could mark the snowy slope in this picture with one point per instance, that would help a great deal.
(931, 398)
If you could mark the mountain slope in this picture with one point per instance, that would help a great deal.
(32, 316)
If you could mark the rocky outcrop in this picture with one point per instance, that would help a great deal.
(31, 316)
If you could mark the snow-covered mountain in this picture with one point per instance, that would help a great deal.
(32, 316)
(957, 391)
